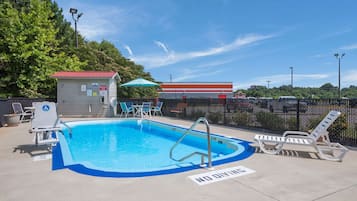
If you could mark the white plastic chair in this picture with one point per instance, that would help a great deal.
(157, 108)
(325, 149)
(17, 107)
(146, 108)
(45, 123)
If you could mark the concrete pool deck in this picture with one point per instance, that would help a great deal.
(294, 175)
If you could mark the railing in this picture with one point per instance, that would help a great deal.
(69, 128)
(208, 155)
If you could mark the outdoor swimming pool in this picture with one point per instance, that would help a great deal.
(135, 147)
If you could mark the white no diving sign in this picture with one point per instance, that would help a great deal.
(219, 175)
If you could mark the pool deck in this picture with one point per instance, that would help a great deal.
(292, 176)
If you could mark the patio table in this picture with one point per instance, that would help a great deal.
(138, 110)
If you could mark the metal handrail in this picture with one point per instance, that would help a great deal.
(208, 155)
(66, 125)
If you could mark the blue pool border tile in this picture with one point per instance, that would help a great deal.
(57, 164)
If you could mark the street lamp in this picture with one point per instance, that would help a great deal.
(291, 70)
(75, 17)
(339, 57)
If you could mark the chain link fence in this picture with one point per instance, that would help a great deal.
(263, 114)
(273, 115)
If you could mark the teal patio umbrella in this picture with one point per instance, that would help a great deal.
(140, 82)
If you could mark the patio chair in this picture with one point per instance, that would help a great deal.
(45, 123)
(318, 139)
(129, 104)
(157, 108)
(17, 107)
(125, 110)
(180, 109)
(146, 108)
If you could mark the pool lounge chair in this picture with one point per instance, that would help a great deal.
(17, 107)
(318, 139)
(45, 123)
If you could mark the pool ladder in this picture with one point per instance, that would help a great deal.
(208, 154)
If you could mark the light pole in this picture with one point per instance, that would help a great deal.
(75, 17)
(291, 70)
(268, 81)
(339, 57)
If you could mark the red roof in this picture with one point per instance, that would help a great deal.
(86, 74)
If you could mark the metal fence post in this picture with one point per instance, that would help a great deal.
(298, 115)
(224, 111)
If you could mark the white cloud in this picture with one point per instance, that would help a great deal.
(155, 61)
(101, 21)
(96, 23)
(162, 45)
(195, 73)
(215, 63)
(129, 50)
(335, 34)
(350, 77)
(349, 47)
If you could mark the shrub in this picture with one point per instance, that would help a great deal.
(291, 124)
(336, 128)
(215, 117)
(197, 114)
(270, 121)
(242, 118)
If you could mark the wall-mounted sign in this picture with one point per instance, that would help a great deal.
(103, 88)
(89, 92)
(103, 93)
(83, 88)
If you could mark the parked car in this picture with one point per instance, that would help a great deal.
(286, 104)
(239, 105)
(263, 101)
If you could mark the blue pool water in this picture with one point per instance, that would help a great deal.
(139, 148)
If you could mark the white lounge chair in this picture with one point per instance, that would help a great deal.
(45, 123)
(325, 149)
(17, 107)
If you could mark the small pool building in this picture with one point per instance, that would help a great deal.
(87, 93)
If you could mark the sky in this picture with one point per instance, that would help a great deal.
(247, 43)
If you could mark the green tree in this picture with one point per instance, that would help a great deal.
(65, 34)
(104, 56)
(326, 91)
(29, 51)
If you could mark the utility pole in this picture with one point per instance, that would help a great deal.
(75, 17)
(292, 72)
(339, 57)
